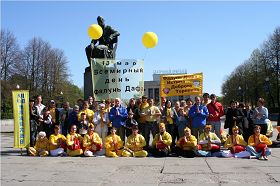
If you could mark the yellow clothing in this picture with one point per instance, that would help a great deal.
(189, 145)
(135, 144)
(89, 140)
(168, 116)
(89, 113)
(262, 138)
(108, 110)
(142, 119)
(52, 112)
(166, 139)
(151, 113)
(56, 139)
(41, 148)
(204, 137)
(239, 141)
(70, 141)
(113, 150)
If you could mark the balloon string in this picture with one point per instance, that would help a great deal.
(145, 54)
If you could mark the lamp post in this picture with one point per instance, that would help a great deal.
(240, 93)
(61, 98)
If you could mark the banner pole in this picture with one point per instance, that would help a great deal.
(21, 151)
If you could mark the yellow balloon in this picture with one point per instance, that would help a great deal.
(95, 31)
(149, 39)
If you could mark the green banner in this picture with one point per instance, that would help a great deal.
(117, 78)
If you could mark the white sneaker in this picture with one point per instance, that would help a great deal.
(252, 157)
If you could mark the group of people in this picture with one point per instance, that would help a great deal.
(109, 128)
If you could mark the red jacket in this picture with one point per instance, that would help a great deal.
(216, 109)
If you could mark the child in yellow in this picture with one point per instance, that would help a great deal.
(113, 144)
(134, 144)
(41, 147)
(186, 145)
(161, 143)
(74, 142)
(57, 142)
(91, 142)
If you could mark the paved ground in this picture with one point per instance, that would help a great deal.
(24, 170)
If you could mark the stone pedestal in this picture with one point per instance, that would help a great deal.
(88, 91)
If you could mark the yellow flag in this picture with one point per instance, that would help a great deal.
(21, 118)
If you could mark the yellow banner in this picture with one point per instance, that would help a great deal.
(181, 85)
(21, 118)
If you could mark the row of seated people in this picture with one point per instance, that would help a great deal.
(187, 146)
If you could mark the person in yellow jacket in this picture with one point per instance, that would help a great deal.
(257, 144)
(74, 142)
(92, 143)
(57, 142)
(134, 144)
(41, 147)
(142, 107)
(208, 143)
(161, 142)
(236, 145)
(113, 144)
(186, 146)
(89, 113)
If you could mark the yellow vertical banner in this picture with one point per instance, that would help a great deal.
(21, 118)
(181, 85)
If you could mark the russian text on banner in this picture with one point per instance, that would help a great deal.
(21, 118)
(181, 85)
(117, 78)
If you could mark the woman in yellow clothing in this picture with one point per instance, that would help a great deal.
(134, 144)
(41, 147)
(74, 142)
(113, 144)
(91, 142)
(161, 143)
(89, 113)
(257, 144)
(57, 142)
(186, 145)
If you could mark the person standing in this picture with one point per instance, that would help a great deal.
(198, 114)
(33, 122)
(216, 111)
(260, 116)
(39, 109)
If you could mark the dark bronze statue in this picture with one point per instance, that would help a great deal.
(107, 43)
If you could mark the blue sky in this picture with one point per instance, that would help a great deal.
(208, 37)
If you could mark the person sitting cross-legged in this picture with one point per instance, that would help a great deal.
(41, 147)
(134, 144)
(257, 144)
(208, 143)
(92, 143)
(74, 142)
(113, 144)
(161, 143)
(236, 145)
(57, 142)
(186, 146)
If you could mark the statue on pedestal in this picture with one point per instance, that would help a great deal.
(106, 45)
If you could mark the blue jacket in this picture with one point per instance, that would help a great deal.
(181, 124)
(118, 120)
(198, 119)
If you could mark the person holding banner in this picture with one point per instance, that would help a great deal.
(118, 115)
(74, 142)
(198, 114)
(57, 142)
(41, 147)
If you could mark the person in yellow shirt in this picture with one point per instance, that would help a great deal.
(236, 145)
(41, 147)
(186, 146)
(89, 113)
(209, 143)
(74, 142)
(113, 144)
(57, 142)
(257, 144)
(141, 122)
(161, 142)
(134, 144)
(91, 142)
